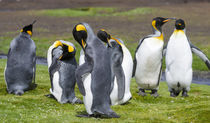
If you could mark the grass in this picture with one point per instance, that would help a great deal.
(97, 11)
(33, 106)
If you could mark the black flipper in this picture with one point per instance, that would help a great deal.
(164, 50)
(81, 70)
(120, 82)
(50, 96)
(55, 66)
(117, 59)
(200, 54)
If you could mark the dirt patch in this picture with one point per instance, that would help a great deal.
(10, 5)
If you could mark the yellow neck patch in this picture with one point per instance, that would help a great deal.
(160, 37)
(116, 40)
(178, 31)
(83, 44)
(58, 43)
(81, 27)
(70, 48)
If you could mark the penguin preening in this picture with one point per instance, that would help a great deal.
(148, 59)
(62, 65)
(179, 61)
(21, 63)
(122, 66)
(98, 64)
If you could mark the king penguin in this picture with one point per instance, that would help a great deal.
(98, 64)
(148, 59)
(122, 65)
(179, 61)
(62, 65)
(21, 63)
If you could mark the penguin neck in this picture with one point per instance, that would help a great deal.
(25, 34)
(157, 33)
(90, 33)
(179, 31)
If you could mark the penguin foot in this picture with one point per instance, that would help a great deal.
(184, 93)
(102, 115)
(154, 93)
(113, 115)
(76, 101)
(50, 96)
(172, 94)
(32, 86)
(142, 92)
(85, 115)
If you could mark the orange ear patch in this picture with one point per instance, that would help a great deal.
(58, 43)
(29, 32)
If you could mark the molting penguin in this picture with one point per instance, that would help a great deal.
(122, 65)
(148, 59)
(179, 61)
(97, 62)
(21, 63)
(62, 65)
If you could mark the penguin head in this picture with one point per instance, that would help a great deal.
(158, 22)
(68, 50)
(180, 24)
(28, 29)
(104, 36)
(80, 34)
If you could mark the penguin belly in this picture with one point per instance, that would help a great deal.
(88, 98)
(127, 65)
(178, 62)
(149, 61)
(57, 90)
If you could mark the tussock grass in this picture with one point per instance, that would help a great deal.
(97, 11)
(33, 106)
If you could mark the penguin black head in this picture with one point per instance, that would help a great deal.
(104, 36)
(158, 22)
(179, 24)
(68, 50)
(80, 34)
(28, 29)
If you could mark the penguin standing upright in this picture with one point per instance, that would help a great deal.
(122, 66)
(21, 63)
(179, 61)
(62, 65)
(148, 59)
(97, 63)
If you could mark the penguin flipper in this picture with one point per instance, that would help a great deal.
(200, 54)
(164, 50)
(120, 82)
(34, 75)
(81, 70)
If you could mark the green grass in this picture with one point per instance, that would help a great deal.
(33, 106)
(97, 11)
